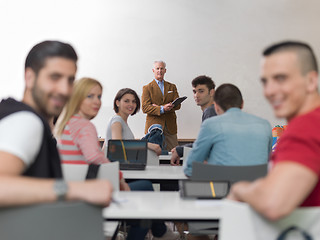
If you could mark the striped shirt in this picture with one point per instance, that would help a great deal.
(79, 143)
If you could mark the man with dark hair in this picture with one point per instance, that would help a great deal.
(289, 75)
(232, 138)
(30, 167)
(203, 91)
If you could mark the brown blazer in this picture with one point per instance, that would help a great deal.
(151, 94)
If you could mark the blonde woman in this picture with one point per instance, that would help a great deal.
(76, 135)
(78, 141)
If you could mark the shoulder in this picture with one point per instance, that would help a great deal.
(79, 121)
(78, 125)
(255, 119)
(170, 84)
(22, 119)
(153, 82)
(209, 112)
(115, 119)
(21, 134)
(307, 121)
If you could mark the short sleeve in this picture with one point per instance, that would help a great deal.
(300, 143)
(21, 134)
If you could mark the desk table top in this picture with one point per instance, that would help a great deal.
(166, 172)
(161, 205)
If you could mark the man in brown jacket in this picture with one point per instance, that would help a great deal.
(157, 99)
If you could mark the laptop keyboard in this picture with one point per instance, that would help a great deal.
(130, 166)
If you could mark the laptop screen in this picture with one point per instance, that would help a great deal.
(127, 151)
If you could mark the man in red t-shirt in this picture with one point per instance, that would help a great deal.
(290, 80)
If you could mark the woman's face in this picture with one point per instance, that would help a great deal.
(91, 104)
(127, 104)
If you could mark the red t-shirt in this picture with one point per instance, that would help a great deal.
(300, 143)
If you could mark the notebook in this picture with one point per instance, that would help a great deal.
(131, 154)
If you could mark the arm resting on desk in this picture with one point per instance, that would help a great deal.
(277, 195)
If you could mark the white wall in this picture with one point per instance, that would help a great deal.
(117, 42)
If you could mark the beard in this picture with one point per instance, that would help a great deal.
(42, 101)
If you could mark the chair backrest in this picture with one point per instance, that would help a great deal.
(110, 171)
(78, 172)
(239, 219)
(152, 158)
(74, 172)
(186, 152)
(60, 220)
(207, 172)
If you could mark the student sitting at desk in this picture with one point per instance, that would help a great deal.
(125, 103)
(30, 169)
(232, 138)
(203, 92)
(289, 75)
(78, 140)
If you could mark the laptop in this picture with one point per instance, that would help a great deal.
(131, 154)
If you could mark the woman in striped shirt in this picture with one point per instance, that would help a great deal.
(76, 135)
(78, 144)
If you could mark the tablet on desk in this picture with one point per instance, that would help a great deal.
(204, 189)
(178, 101)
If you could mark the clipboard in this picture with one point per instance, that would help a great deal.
(178, 101)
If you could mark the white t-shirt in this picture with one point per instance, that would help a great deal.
(21, 135)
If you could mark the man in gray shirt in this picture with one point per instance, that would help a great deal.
(203, 91)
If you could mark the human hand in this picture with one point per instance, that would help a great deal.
(124, 186)
(98, 192)
(168, 107)
(235, 189)
(155, 147)
(175, 159)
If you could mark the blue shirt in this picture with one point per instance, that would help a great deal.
(161, 86)
(233, 138)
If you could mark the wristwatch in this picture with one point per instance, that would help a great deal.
(60, 187)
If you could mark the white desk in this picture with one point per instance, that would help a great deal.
(165, 159)
(156, 173)
(161, 205)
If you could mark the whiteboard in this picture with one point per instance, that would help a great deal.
(117, 42)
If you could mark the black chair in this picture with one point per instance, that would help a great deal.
(210, 172)
(60, 220)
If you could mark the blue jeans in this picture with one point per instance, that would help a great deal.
(137, 232)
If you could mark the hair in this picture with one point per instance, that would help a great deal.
(227, 96)
(304, 52)
(38, 55)
(203, 80)
(80, 91)
(119, 96)
(160, 61)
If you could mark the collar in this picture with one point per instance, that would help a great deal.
(233, 109)
(157, 81)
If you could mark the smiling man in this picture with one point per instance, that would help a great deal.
(289, 75)
(203, 91)
(30, 167)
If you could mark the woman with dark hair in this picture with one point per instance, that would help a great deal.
(126, 103)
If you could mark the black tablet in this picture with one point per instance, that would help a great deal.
(204, 189)
(178, 101)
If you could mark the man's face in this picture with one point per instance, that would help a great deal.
(201, 94)
(52, 87)
(284, 85)
(159, 70)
